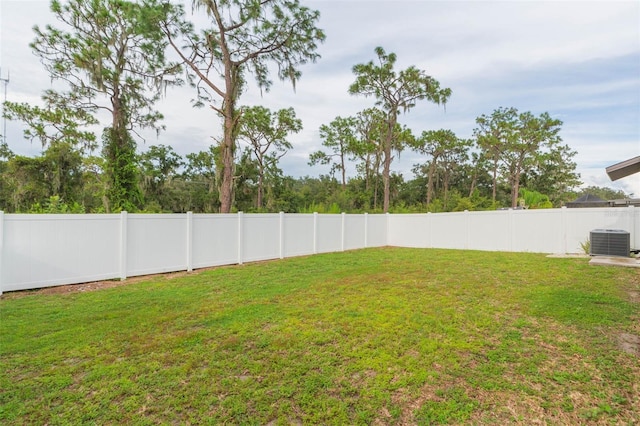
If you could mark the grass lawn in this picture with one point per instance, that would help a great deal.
(375, 336)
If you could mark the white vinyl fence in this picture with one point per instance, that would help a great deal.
(48, 250)
(539, 231)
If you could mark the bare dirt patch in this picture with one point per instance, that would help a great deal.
(629, 343)
(101, 285)
(96, 285)
(73, 288)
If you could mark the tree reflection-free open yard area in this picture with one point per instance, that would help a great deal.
(375, 336)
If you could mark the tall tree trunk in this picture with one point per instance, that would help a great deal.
(474, 182)
(386, 171)
(231, 116)
(432, 170)
(367, 173)
(227, 151)
(375, 179)
(375, 193)
(122, 192)
(446, 189)
(260, 188)
(515, 189)
(344, 172)
(386, 178)
(495, 179)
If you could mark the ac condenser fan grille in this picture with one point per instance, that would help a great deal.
(609, 242)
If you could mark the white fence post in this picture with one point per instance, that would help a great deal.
(563, 228)
(343, 231)
(315, 232)
(510, 229)
(632, 222)
(281, 235)
(189, 241)
(636, 221)
(366, 228)
(123, 245)
(240, 236)
(467, 218)
(1, 246)
(430, 226)
(386, 231)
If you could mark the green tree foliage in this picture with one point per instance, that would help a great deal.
(266, 133)
(110, 56)
(318, 193)
(340, 139)
(245, 37)
(29, 181)
(478, 174)
(446, 153)
(62, 180)
(492, 137)
(201, 172)
(395, 92)
(23, 183)
(603, 192)
(554, 174)
(520, 143)
(369, 149)
(159, 165)
(338, 136)
(121, 171)
(55, 205)
(62, 132)
(461, 179)
(63, 171)
(534, 199)
(55, 123)
(94, 185)
(246, 187)
(5, 152)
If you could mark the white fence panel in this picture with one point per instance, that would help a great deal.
(449, 230)
(329, 233)
(489, 231)
(410, 230)
(537, 231)
(48, 250)
(298, 235)
(581, 222)
(156, 243)
(354, 232)
(260, 237)
(542, 231)
(376, 230)
(214, 240)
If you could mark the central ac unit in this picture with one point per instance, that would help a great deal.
(609, 242)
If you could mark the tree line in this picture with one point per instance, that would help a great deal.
(63, 180)
(114, 59)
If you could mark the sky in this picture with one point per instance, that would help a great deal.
(577, 60)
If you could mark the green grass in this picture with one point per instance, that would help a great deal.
(376, 336)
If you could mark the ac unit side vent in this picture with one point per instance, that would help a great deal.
(609, 242)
